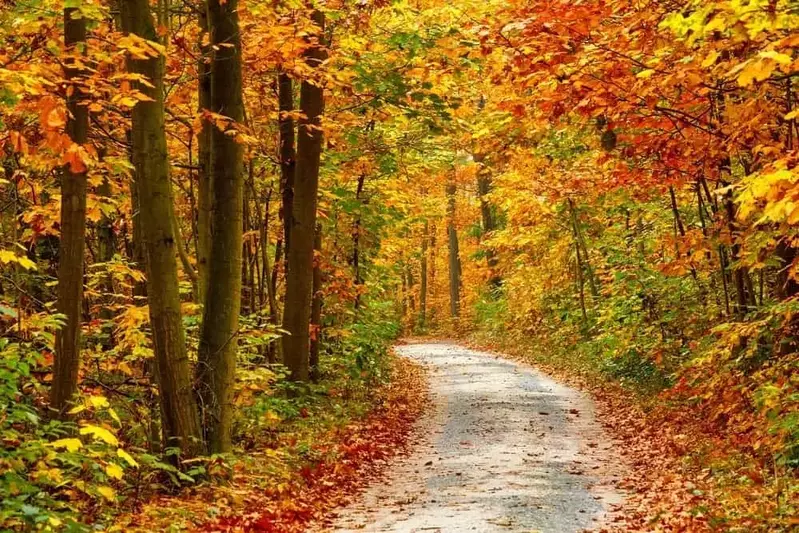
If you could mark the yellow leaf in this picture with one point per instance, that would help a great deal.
(77, 409)
(127, 457)
(71, 445)
(7, 256)
(106, 492)
(710, 59)
(114, 415)
(782, 59)
(113, 470)
(645, 73)
(98, 401)
(755, 71)
(26, 263)
(100, 433)
(792, 115)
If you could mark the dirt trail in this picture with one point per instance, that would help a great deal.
(504, 449)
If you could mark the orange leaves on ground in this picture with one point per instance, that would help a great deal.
(361, 450)
(286, 491)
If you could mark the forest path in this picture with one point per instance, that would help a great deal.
(503, 449)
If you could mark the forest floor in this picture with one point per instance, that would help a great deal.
(310, 466)
(504, 448)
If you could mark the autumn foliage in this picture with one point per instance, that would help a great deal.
(607, 187)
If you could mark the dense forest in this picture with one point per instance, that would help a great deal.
(217, 215)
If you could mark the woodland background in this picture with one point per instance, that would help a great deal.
(216, 216)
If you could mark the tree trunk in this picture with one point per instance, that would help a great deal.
(316, 305)
(356, 242)
(423, 276)
(73, 227)
(578, 267)
(489, 225)
(739, 274)
(454, 256)
(219, 333)
(410, 283)
(296, 316)
(433, 253)
(106, 248)
(151, 161)
(578, 235)
(287, 156)
(274, 352)
(203, 158)
(675, 210)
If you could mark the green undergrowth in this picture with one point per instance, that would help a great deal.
(106, 459)
(566, 345)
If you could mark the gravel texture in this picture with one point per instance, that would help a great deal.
(502, 448)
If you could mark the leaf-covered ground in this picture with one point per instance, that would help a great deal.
(310, 468)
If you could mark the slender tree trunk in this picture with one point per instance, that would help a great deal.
(203, 157)
(296, 316)
(681, 230)
(404, 293)
(703, 215)
(219, 333)
(73, 226)
(411, 284)
(316, 305)
(288, 157)
(178, 407)
(578, 235)
(356, 242)
(106, 248)
(423, 276)
(433, 252)
(454, 255)
(489, 225)
(738, 273)
(578, 269)
(274, 352)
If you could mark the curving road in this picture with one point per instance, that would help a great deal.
(503, 449)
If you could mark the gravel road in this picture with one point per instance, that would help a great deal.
(502, 449)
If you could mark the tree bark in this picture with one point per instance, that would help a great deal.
(423, 276)
(489, 225)
(316, 305)
(454, 255)
(578, 267)
(410, 283)
(151, 161)
(739, 273)
(269, 279)
(203, 158)
(287, 156)
(356, 242)
(219, 332)
(592, 282)
(73, 227)
(296, 316)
